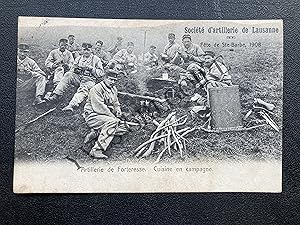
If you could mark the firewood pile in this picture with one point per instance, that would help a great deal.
(169, 137)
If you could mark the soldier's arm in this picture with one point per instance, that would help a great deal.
(50, 60)
(71, 60)
(98, 70)
(200, 55)
(97, 102)
(118, 57)
(36, 70)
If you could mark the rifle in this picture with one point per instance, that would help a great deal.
(143, 97)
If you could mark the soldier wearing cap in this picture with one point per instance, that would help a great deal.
(59, 61)
(30, 74)
(73, 46)
(100, 53)
(125, 59)
(102, 112)
(117, 47)
(171, 55)
(150, 58)
(86, 70)
(216, 73)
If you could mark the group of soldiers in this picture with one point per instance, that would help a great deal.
(94, 72)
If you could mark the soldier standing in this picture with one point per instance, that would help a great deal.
(59, 61)
(102, 111)
(30, 75)
(86, 70)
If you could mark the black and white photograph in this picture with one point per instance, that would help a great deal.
(131, 106)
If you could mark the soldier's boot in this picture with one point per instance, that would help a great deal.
(38, 101)
(90, 136)
(98, 154)
(53, 98)
(68, 108)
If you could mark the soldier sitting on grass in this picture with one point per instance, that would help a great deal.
(30, 76)
(86, 70)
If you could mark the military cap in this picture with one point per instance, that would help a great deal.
(211, 53)
(152, 46)
(71, 35)
(63, 40)
(86, 45)
(130, 43)
(171, 35)
(23, 47)
(187, 36)
(100, 42)
(111, 73)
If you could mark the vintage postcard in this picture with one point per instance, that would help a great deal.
(131, 106)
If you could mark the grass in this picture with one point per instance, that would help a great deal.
(258, 72)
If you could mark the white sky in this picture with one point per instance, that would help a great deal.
(58, 21)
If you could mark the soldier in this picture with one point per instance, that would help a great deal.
(100, 53)
(59, 61)
(86, 70)
(30, 75)
(193, 58)
(73, 46)
(102, 112)
(117, 47)
(150, 58)
(171, 55)
(125, 59)
(216, 73)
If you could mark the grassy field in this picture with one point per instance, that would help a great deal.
(258, 72)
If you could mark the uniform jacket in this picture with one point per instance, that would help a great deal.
(102, 100)
(74, 47)
(123, 57)
(93, 61)
(29, 64)
(148, 58)
(171, 50)
(194, 50)
(102, 55)
(216, 72)
(56, 56)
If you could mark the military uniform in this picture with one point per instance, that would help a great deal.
(84, 79)
(75, 49)
(217, 75)
(103, 56)
(99, 111)
(28, 68)
(172, 50)
(122, 58)
(60, 58)
(150, 60)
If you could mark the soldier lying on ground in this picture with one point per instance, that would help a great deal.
(86, 70)
(59, 61)
(101, 113)
(30, 76)
(125, 60)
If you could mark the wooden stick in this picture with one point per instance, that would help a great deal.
(32, 121)
(149, 141)
(142, 97)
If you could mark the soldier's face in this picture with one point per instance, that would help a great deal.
(98, 46)
(208, 60)
(62, 46)
(130, 49)
(187, 42)
(109, 82)
(171, 40)
(152, 50)
(22, 54)
(71, 40)
(87, 52)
